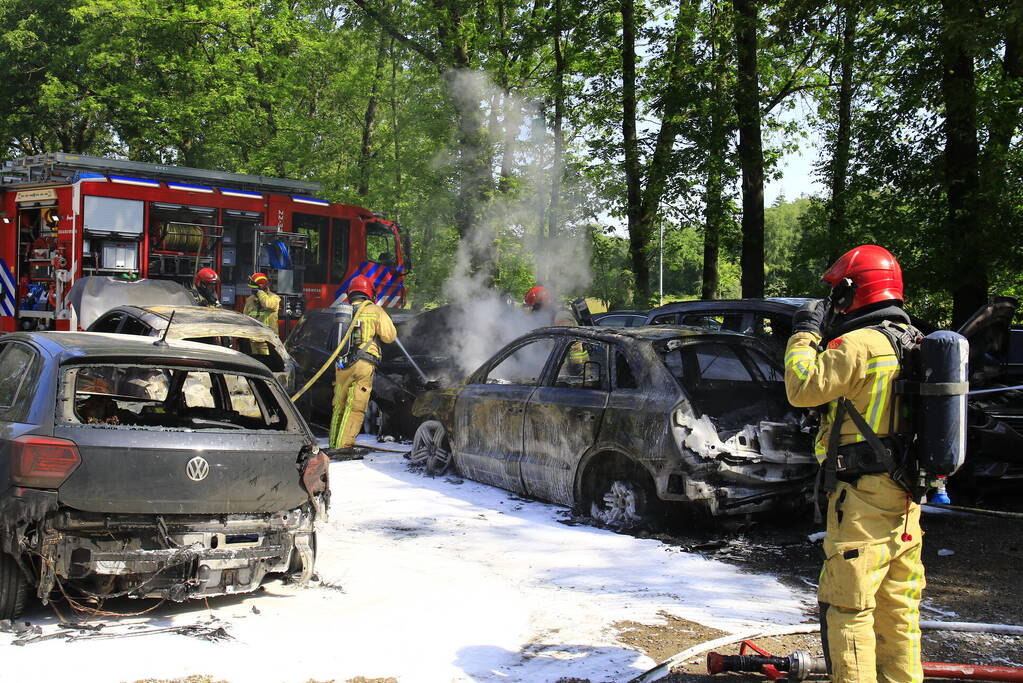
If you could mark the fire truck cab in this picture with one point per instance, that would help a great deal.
(66, 216)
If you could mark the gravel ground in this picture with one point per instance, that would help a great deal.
(979, 581)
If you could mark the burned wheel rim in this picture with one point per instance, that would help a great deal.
(430, 448)
(621, 504)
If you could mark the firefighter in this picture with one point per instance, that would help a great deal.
(537, 298)
(870, 586)
(577, 354)
(204, 288)
(353, 379)
(262, 305)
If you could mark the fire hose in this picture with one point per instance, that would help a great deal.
(800, 665)
(332, 358)
(664, 668)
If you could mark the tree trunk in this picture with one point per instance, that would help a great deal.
(660, 168)
(837, 223)
(751, 151)
(638, 240)
(369, 121)
(474, 176)
(394, 125)
(714, 203)
(969, 276)
(1003, 122)
(558, 167)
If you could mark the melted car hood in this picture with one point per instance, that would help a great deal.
(94, 295)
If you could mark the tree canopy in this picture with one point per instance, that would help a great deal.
(558, 140)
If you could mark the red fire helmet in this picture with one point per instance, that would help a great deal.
(361, 283)
(259, 280)
(873, 273)
(206, 276)
(537, 296)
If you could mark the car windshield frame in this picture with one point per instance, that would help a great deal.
(279, 417)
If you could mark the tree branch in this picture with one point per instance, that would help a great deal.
(387, 26)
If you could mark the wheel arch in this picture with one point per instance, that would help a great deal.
(607, 460)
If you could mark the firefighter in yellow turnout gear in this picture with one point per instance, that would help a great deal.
(262, 305)
(873, 576)
(353, 384)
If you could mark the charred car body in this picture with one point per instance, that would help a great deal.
(617, 421)
(167, 469)
(995, 429)
(222, 327)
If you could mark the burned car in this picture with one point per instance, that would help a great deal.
(132, 468)
(219, 326)
(619, 422)
(995, 430)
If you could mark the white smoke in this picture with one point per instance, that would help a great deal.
(513, 223)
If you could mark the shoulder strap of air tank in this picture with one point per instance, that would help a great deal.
(901, 335)
(830, 465)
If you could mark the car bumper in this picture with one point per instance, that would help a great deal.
(177, 559)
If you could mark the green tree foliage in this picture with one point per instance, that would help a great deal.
(516, 127)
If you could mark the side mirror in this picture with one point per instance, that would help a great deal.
(592, 377)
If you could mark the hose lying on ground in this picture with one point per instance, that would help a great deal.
(930, 507)
(665, 667)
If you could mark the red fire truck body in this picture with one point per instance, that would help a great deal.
(66, 216)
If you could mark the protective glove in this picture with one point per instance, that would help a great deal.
(810, 316)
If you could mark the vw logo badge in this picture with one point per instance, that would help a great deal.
(197, 468)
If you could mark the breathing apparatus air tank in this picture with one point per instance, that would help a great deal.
(342, 320)
(941, 418)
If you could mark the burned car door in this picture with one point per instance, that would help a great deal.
(490, 413)
(563, 419)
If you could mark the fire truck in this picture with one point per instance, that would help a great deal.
(66, 216)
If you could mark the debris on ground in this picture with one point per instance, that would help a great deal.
(213, 631)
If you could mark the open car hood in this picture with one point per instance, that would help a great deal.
(94, 295)
(988, 333)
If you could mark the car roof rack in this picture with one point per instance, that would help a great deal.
(68, 168)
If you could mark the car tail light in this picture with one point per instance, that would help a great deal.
(42, 461)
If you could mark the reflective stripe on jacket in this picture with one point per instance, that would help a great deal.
(860, 365)
(263, 306)
(372, 323)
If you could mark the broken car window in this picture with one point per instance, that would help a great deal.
(108, 323)
(135, 326)
(768, 370)
(142, 397)
(719, 362)
(583, 366)
(524, 366)
(624, 377)
(16, 361)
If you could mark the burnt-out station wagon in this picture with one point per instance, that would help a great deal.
(146, 468)
(618, 422)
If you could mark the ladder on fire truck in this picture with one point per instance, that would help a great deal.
(62, 167)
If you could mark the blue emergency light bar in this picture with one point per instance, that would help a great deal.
(189, 188)
(240, 193)
(141, 182)
(309, 200)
